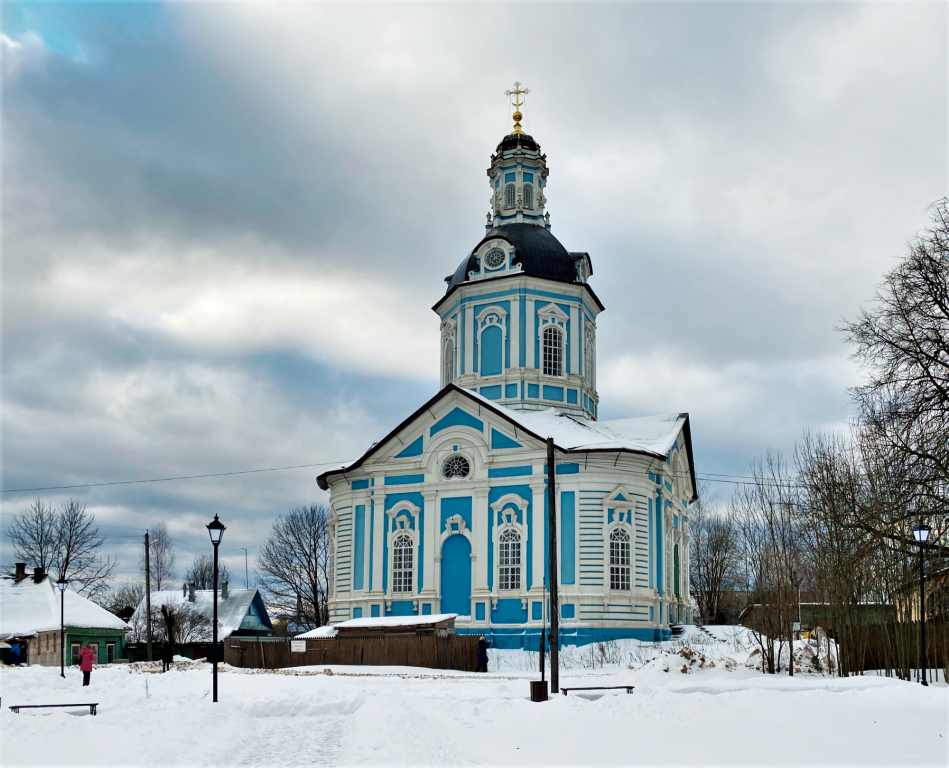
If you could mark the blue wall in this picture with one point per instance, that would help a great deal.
(455, 506)
(492, 342)
(568, 538)
(456, 575)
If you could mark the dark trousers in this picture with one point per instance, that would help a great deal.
(482, 668)
(85, 678)
(165, 665)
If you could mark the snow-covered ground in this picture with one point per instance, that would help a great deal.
(718, 711)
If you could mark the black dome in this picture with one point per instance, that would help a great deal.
(515, 140)
(539, 253)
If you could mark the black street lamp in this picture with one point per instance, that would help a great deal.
(921, 533)
(216, 531)
(61, 583)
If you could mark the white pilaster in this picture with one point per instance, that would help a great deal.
(479, 519)
(430, 537)
(515, 319)
(538, 489)
(378, 539)
(530, 333)
(576, 339)
(470, 336)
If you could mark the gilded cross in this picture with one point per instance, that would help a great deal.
(517, 104)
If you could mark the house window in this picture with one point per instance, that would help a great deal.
(109, 652)
(619, 559)
(509, 560)
(528, 197)
(402, 563)
(510, 194)
(553, 352)
(74, 652)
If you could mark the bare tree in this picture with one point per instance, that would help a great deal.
(903, 342)
(35, 535)
(128, 595)
(201, 573)
(64, 542)
(714, 558)
(293, 564)
(161, 557)
(179, 621)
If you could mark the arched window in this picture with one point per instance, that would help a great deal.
(509, 560)
(402, 563)
(619, 559)
(449, 361)
(510, 195)
(553, 352)
(675, 576)
(528, 197)
(591, 357)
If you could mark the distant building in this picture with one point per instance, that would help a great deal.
(30, 615)
(240, 612)
(448, 512)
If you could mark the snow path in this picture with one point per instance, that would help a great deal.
(295, 742)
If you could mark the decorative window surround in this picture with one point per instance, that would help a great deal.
(399, 517)
(505, 519)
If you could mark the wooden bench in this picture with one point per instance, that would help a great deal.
(628, 688)
(16, 709)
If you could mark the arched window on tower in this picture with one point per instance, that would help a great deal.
(509, 560)
(590, 356)
(449, 361)
(619, 559)
(402, 563)
(553, 352)
(510, 196)
(528, 197)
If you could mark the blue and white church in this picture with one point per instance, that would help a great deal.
(448, 512)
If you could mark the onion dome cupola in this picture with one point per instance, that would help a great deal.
(519, 317)
(518, 175)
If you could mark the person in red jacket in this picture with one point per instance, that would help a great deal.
(85, 663)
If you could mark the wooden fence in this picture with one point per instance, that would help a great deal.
(452, 652)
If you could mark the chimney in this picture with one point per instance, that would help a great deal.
(38, 575)
(20, 572)
(191, 592)
(224, 590)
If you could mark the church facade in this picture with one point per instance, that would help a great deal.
(448, 512)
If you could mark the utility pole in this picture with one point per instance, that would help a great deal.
(148, 600)
(552, 555)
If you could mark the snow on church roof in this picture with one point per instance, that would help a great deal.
(651, 435)
(28, 607)
(647, 434)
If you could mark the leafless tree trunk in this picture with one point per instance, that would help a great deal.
(293, 564)
(161, 557)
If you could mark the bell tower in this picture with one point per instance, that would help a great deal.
(519, 316)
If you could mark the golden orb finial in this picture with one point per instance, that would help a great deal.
(517, 103)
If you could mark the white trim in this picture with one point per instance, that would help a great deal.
(504, 520)
(399, 516)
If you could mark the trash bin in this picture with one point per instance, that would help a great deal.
(538, 690)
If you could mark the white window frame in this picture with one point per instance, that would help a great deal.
(505, 511)
(628, 532)
(492, 317)
(528, 194)
(552, 316)
(624, 516)
(402, 517)
(510, 194)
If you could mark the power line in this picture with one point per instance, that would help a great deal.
(168, 479)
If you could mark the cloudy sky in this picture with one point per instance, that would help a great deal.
(224, 225)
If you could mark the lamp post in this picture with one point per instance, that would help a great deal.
(61, 583)
(921, 533)
(216, 531)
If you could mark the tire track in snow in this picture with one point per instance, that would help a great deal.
(296, 742)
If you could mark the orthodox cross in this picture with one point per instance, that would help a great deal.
(517, 103)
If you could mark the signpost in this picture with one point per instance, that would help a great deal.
(298, 646)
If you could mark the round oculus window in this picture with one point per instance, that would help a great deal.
(494, 258)
(456, 466)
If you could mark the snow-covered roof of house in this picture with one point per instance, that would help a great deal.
(231, 613)
(27, 607)
(324, 631)
(650, 435)
(395, 621)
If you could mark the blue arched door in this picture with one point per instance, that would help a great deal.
(456, 575)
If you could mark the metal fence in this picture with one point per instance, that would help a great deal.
(451, 652)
